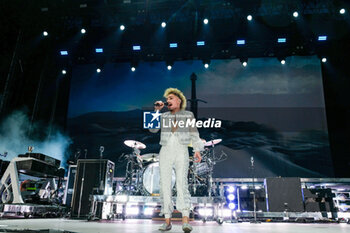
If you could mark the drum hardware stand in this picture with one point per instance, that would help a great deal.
(210, 176)
(211, 163)
(101, 188)
(194, 188)
(253, 192)
(130, 173)
(209, 160)
(136, 153)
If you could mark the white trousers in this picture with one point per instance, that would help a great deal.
(174, 155)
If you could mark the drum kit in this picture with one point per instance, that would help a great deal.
(142, 175)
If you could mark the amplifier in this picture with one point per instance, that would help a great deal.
(93, 176)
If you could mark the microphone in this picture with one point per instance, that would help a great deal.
(77, 154)
(157, 104)
(102, 148)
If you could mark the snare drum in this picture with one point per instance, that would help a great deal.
(151, 179)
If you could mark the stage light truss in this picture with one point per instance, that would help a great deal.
(136, 16)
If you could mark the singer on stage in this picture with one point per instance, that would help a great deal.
(174, 153)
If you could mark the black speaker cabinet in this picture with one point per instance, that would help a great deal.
(93, 177)
(246, 199)
(284, 194)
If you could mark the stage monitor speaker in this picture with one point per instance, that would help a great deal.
(93, 177)
(246, 200)
(284, 194)
(69, 189)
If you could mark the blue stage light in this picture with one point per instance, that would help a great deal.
(136, 47)
(200, 43)
(163, 24)
(173, 45)
(230, 189)
(206, 21)
(240, 42)
(99, 50)
(281, 40)
(231, 197)
(232, 206)
(322, 38)
(64, 52)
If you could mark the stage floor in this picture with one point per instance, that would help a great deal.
(137, 226)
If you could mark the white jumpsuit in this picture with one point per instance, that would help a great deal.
(174, 154)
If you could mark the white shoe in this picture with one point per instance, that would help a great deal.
(187, 228)
(165, 227)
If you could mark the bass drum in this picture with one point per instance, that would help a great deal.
(151, 179)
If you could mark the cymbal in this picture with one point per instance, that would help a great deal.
(134, 144)
(213, 142)
(203, 140)
(151, 157)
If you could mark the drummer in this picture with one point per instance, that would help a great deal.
(174, 153)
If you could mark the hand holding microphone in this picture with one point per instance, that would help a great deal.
(158, 105)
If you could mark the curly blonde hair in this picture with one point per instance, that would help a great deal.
(179, 94)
